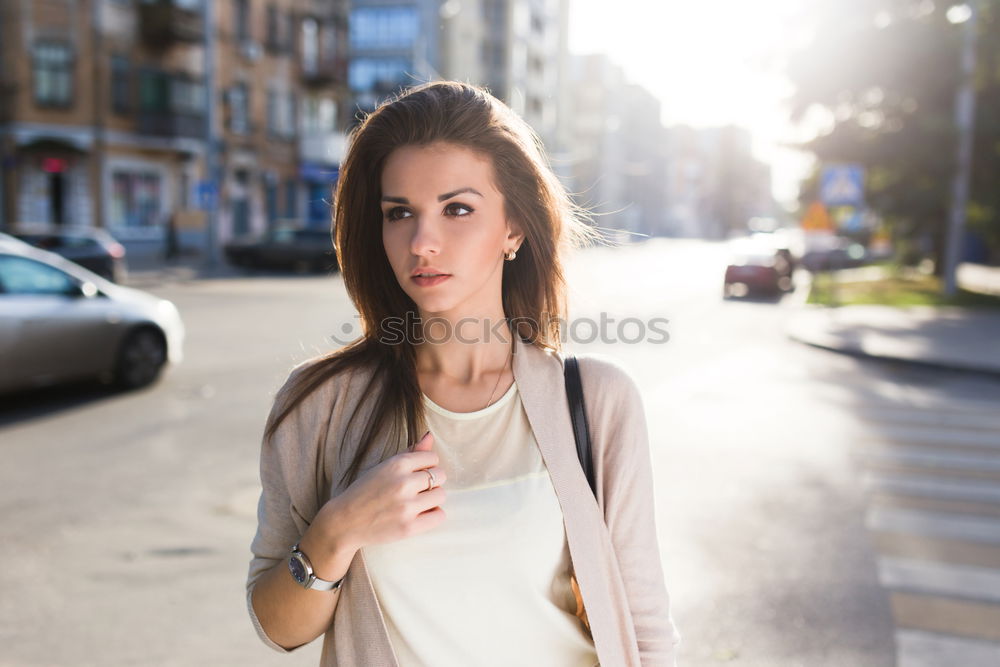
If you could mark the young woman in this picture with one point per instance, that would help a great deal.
(423, 502)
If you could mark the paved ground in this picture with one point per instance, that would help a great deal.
(813, 508)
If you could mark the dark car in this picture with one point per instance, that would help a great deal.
(92, 248)
(301, 250)
(833, 254)
(758, 268)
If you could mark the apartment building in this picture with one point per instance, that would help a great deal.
(617, 165)
(145, 116)
(517, 48)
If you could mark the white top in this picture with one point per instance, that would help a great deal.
(490, 585)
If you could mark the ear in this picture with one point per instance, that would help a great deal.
(515, 234)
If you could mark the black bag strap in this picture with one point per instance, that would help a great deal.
(577, 414)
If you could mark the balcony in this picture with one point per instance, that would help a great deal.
(322, 147)
(324, 72)
(163, 23)
(170, 124)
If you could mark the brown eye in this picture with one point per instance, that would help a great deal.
(395, 213)
(458, 205)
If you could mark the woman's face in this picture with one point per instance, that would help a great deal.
(442, 213)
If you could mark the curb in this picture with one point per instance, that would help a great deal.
(860, 353)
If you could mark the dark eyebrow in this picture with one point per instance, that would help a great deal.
(447, 195)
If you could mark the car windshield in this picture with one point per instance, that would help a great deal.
(282, 236)
(758, 259)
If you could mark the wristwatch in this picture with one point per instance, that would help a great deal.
(302, 572)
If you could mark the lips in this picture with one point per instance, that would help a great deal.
(428, 271)
(429, 281)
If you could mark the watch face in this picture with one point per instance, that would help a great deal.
(298, 570)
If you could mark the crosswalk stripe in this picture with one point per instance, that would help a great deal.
(916, 648)
(932, 436)
(937, 549)
(978, 583)
(923, 485)
(904, 501)
(916, 456)
(964, 618)
(974, 529)
(903, 416)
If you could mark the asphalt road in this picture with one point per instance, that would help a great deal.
(127, 518)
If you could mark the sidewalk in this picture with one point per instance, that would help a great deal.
(145, 271)
(963, 339)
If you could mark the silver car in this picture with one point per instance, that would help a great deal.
(60, 322)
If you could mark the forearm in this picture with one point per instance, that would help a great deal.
(290, 614)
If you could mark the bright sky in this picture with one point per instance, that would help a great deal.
(705, 61)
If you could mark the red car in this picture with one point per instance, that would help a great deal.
(756, 270)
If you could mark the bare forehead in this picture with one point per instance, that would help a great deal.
(442, 166)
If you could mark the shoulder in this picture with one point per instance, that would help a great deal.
(607, 376)
(311, 387)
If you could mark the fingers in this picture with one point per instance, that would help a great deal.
(428, 500)
(424, 444)
(420, 479)
(410, 461)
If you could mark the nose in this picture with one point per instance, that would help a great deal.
(426, 239)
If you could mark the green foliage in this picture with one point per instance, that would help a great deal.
(888, 70)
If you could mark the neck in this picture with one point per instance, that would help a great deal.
(480, 349)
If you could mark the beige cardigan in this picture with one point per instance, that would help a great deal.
(612, 540)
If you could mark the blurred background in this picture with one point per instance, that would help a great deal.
(805, 190)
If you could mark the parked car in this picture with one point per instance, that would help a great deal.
(302, 250)
(60, 322)
(834, 253)
(757, 267)
(92, 248)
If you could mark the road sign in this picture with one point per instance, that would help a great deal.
(842, 185)
(208, 195)
(817, 219)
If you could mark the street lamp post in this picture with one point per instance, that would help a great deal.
(212, 167)
(965, 114)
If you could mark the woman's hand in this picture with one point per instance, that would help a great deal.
(388, 502)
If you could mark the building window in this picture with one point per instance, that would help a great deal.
(135, 199)
(291, 205)
(319, 115)
(241, 13)
(381, 74)
(310, 45)
(239, 118)
(187, 96)
(280, 114)
(121, 88)
(163, 92)
(273, 29)
(289, 21)
(384, 27)
(154, 90)
(52, 66)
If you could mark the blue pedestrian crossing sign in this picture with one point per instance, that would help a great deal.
(208, 195)
(842, 185)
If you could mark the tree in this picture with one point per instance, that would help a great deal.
(887, 71)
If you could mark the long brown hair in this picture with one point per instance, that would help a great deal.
(533, 284)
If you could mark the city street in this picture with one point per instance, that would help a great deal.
(813, 508)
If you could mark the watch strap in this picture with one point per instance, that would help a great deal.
(313, 582)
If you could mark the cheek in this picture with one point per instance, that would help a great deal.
(394, 245)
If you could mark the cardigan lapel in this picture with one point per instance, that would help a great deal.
(541, 384)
